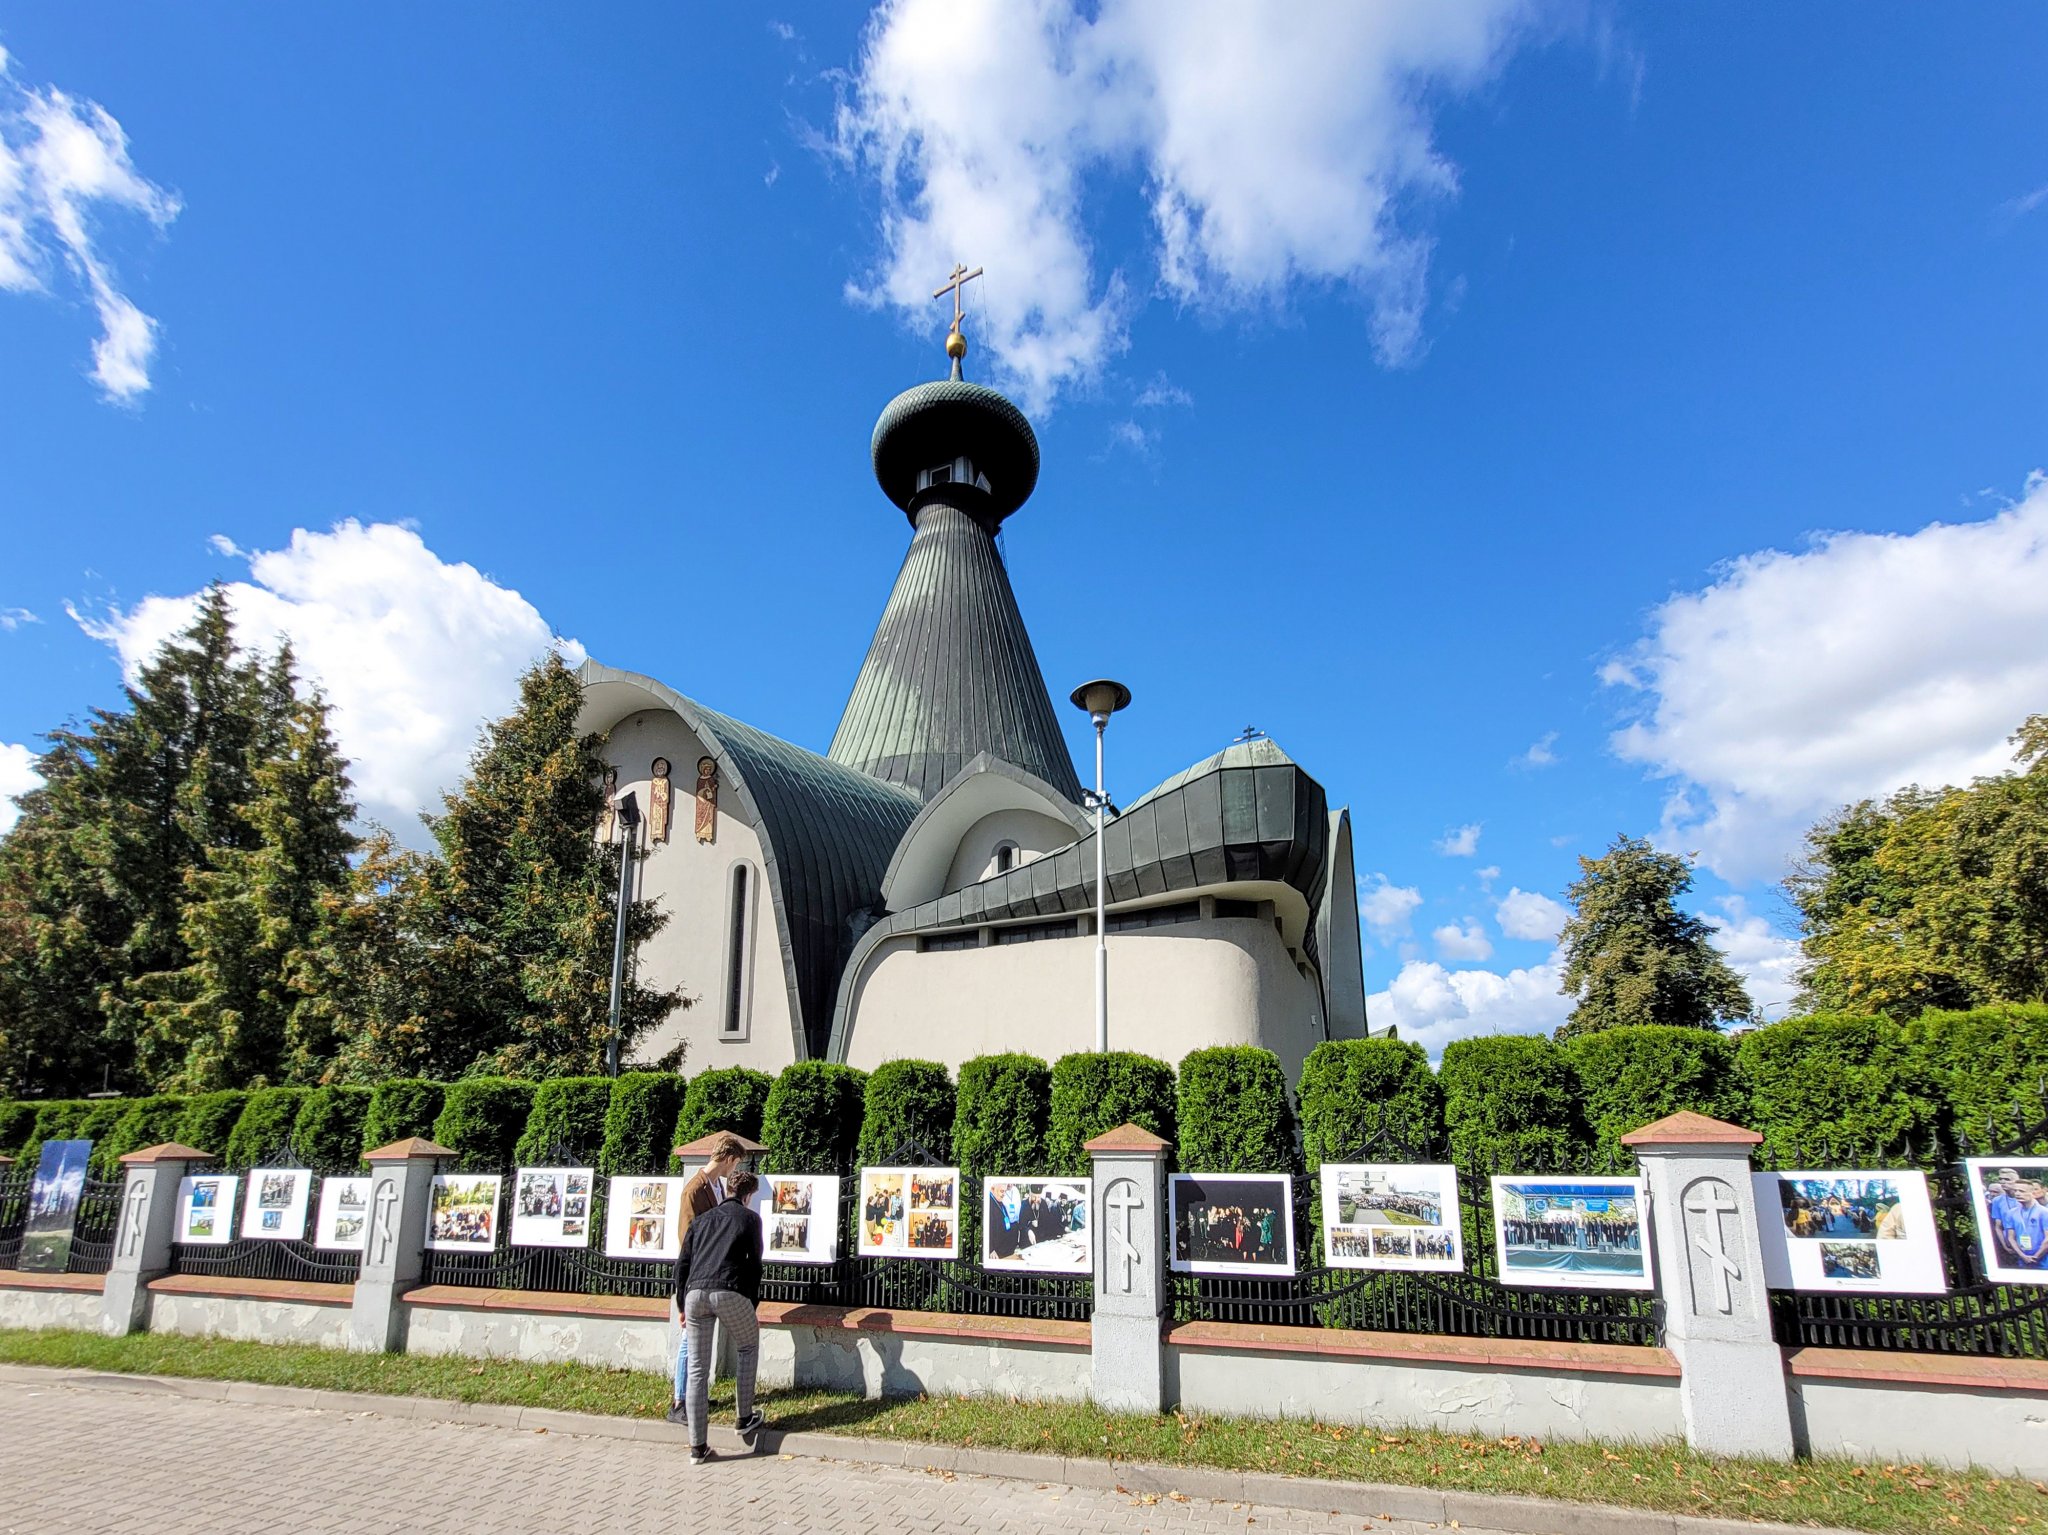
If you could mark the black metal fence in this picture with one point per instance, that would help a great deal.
(294, 1258)
(92, 1236)
(14, 1187)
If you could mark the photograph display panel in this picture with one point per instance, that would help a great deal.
(206, 1209)
(1849, 1231)
(462, 1213)
(2009, 1200)
(1232, 1223)
(275, 1210)
(909, 1212)
(551, 1206)
(1572, 1233)
(1391, 1215)
(799, 1217)
(1036, 1225)
(342, 1222)
(640, 1218)
(53, 1200)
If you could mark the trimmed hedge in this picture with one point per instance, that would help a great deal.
(1370, 1100)
(1003, 1105)
(569, 1112)
(1234, 1112)
(210, 1119)
(1094, 1093)
(1630, 1076)
(1990, 1067)
(17, 1127)
(1511, 1105)
(1838, 1090)
(266, 1125)
(812, 1118)
(903, 1102)
(481, 1118)
(731, 1098)
(639, 1122)
(329, 1129)
(402, 1108)
(145, 1122)
(57, 1120)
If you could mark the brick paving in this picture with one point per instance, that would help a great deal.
(111, 1460)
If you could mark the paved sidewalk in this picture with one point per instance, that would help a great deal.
(119, 1457)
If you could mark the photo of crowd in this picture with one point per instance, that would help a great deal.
(1849, 1231)
(551, 1207)
(2010, 1201)
(1241, 1224)
(277, 1210)
(799, 1218)
(932, 1191)
(1578, 1234)
(462, 1213)
(275, 1190)
(909, 1212)
(1850, 1260)
(640, 1218)
(932, 1232)
(1038, 1224)
(340, 1224)
(790, 1196)
(1362, 1200)
(1865, 1208)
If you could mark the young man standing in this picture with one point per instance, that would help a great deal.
(718, 1279)
(706, 1188)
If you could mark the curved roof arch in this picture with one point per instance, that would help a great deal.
(985, 785)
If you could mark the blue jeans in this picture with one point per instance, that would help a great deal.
(682, 1364)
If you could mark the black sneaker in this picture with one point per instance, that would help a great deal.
(677, 1414)
(700, 1454)
(751, 1425)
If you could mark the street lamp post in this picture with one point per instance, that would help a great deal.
(1101, 698)
(629, 824)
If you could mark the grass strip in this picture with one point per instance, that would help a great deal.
(1884, 1498)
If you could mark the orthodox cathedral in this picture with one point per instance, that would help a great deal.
(926, 886)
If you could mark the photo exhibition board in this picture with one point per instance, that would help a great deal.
(206, 1209)
(1391, 1215)
(1868, 1231)
(275, 1210)
(2009, 1203)
(551, 1206)
(54, 1196)
(462, 1212)
(341, 1224)
(799, 1217)
(1232, 1223)
(1564, 1233)
(1037, 1226)
(640, 1218)
(909, 1212)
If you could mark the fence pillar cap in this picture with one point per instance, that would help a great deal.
(403, 1151)
(6, 1161)
(1685, 1128)
(169, 1151)
(703, 1144)
(1127, 1139)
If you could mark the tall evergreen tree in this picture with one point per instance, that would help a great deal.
(1631, 956)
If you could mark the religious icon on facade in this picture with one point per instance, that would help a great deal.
(707, 799)
(607, 818)
(659, 794)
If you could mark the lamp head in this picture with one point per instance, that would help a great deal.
(1101, 698)
(629, 810)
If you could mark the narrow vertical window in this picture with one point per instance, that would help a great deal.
(1006, 857)
(736, 958)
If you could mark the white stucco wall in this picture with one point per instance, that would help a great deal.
(692, 883)
(248, 1319)
(1034, 834)
(36, 1310)
(613, 1343)
(1227, 981)
(884, 1364)
(1999, 1430)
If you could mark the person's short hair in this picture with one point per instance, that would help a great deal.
(743, 1186)
(727, 1148)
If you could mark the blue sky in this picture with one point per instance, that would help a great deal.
(1555, 421)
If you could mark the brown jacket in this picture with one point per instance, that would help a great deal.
(699, 1195)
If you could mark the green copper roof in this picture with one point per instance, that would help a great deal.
(930, 424)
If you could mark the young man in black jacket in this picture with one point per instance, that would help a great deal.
(718, 1278)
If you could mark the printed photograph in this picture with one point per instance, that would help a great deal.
(53, 1199)
(1842, 1207)
(790, 1234)
(1389, 1196)
(540, 1195)
(272, 1220)
(1849, 1230)
(1362, 1200)
(276, 1207)
(351, 1193)
(576, 1229)
(881, 1210)
(204, 1192)
(275, 1190)
(462, 1213)
(931, 1191)
(1571, 1233)
(2009, 1200)
(931, 1231)
(550, 1207)
(799, 1217)
(1233, 1223)
(646, 1234)
(200, 1225)
(647, 1198)
(790, 1196)
(339, 1223)
(1036, 1224)
(1392, 1244)
(206, 1209)
(348, 1231)
(639, 1220)
(1850, 1260)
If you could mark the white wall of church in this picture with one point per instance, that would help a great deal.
(1034, 835)
(1226, 981)
(692, 881)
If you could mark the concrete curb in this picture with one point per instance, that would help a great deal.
(1364, 1500)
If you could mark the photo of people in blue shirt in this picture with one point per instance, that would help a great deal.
(2011, 1200)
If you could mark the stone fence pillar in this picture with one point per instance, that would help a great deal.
(1710, 1276)
(1131, 1292)
(144, 1233)
(395, 1244)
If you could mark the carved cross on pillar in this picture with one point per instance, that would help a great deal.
(1122, 1202)
(131, 1224)
(1711, 1200)
(383, 1199)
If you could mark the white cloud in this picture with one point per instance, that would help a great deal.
(1129, 434)
(1268, 156)
(1460, 841)
(61, 161)
(1525, 914)
(1796, 683)
(1466, 941)
(13, 618)
(1433, 1006)
(1540, 754)
(1162, 391)
(2025, 203)
(413, 652)
(1767, 961)
(18, 772)
(1386, 908)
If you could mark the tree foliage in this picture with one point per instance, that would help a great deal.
(1511, 1105)
(210, 1119)
(1838, 1090)
(1093, 1093)
(400, 1109)
(1990, 1067)
(144, 1122)
(1002, 1108)
(1377, 1097)
(569, 1113)
(638, 1122)
(1629, 1077)
(264, 1130)
(329, 1130)
(731, 1098)
(481, 1118)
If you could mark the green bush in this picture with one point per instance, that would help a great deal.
(210, 1119)
(329, 1129)
(1234, 1112)
(1638, 1073)
(568, 1112)
(905, 1102)
(17, 1126)
(1094, 1093)
(145, 1122)
(1838, 1090)
(401, 1109)
(812, 1118)
(481, 1118)
(265, 1129)
(1370, 1100)
(639, 1123)
(731, 1098)
(1003, 1107)
(1990, 1067)
(1511, 1106)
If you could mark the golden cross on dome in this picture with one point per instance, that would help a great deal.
(957, 280)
